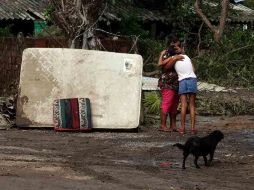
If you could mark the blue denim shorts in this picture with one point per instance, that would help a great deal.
(188, 85)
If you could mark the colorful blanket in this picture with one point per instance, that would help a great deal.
(72, 114)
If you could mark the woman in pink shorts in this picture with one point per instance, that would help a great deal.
(168, 83)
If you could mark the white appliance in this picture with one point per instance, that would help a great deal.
(112, 81)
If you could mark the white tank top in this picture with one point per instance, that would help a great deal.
(184, 69)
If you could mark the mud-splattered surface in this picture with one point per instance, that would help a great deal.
(44, 159)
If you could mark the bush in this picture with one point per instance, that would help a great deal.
(229, 63)
(152, 102)
(51, 31)
(5, 32)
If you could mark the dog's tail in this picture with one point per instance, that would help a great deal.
(180, 146)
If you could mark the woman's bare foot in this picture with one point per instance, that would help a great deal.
(164, 129)
(181, 131)
(173, 129)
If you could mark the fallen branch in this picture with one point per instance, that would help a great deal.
(238, 49)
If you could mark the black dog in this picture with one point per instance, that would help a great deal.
(201, 147)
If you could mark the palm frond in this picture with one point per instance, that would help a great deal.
(152, 101)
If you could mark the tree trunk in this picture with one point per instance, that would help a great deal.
(85, 41)
(72, 44)
(217, 36)
(217, 30)
(76, 16)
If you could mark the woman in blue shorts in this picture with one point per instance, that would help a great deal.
(187, 89)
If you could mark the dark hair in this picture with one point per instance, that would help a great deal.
(171, 50)
(173, 39)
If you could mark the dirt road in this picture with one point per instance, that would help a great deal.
(44, 159)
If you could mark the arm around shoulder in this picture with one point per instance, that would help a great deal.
(160, 62)
(172, 60)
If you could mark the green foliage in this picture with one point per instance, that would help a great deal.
(249, 3)
(150, 50)
(184, 21)
(152, 101)
(114, 1)
(129, 25)
(5, 32)
(230, 62)
(147, 46)
(51, 31)
(182, 14)
(214, 103)
(48, 12)
(150, 47)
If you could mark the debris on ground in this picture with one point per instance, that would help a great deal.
(7, 112)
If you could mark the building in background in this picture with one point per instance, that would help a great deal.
(24, 16)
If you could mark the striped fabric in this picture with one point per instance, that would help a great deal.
(72, 114)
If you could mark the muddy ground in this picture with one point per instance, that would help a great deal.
(44, 159)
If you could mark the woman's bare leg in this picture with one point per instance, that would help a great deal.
(172, 121)
(192, 111)
(163, 126)
(183, 111)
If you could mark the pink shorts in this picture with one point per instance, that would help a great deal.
(170, 99)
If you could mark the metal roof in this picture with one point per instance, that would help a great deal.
(114, 12)
(238, 1)
(22, 9)
(241, 14)
(33, 10)
(237, 12)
